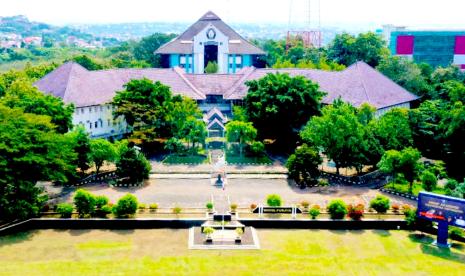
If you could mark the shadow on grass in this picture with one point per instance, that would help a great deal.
(345, 232)
(17, 238)
(382, 233)
(444, 253)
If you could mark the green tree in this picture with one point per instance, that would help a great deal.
(346, 49)
(22, 94)
(30, 150)
(211, 68)
(88, 62)
(146, 107)
(132, 164)
(425, 123)
(405, 162)
(339, 134)
(279, 105)
(195, 131)
(101, 150)
(428, 180)
(393, 130)
(241, 133)
(303, 164)
(453, 127)
(81, 146)
(404, 72)
(144, 50)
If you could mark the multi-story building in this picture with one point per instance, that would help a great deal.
(435, 47)
(91, 92)
(210, 40)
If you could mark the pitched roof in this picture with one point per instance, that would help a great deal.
(215, 122)
(178, 45)
(357, 84)
(74, 84)
(215, 113)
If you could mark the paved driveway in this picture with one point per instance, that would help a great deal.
(196, 192)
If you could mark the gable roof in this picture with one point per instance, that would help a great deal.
(357, 84)
(178, 45)
(215, 122)
(214, 113)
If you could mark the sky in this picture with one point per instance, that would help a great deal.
(412, 13)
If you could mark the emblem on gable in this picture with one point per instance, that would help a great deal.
(211, 34)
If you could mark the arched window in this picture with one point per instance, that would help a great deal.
(96, 124)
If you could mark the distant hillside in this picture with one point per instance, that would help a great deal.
(20, 25)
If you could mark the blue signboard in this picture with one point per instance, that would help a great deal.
(443, 209)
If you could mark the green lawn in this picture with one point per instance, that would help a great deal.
(284, 252)
(185, 159)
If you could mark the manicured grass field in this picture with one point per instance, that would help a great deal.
(284, 252)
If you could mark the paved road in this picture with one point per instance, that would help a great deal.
(196, 192)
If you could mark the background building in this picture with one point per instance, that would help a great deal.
(210, 40)
(437, 48)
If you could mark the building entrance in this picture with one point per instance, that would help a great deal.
(211, 54)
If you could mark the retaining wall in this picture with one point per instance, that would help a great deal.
(53, 223)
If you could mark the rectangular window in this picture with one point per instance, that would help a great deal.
(238, 59)
(90, 109)
(182, 59)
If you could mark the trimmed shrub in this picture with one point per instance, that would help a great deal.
(429, 181)
(153, 206)
(233, 207)
(208, 230)
(314, 211)
(209, 205)
(65, 210)
(104, 211)
(141, 206)
(177, 210)
(273, 200)
(395, 208)
(410, 217)
(84, 202)
(257, 148)
(380, 204)
(305, 204)
(253, 206)
(100, 201)
(337, 209)
(323, 182)
(126, 206)
(355, 212)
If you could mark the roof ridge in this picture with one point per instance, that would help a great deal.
(362, 79)
(192, 86)
(241, 80)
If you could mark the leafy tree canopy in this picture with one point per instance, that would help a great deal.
(279, 105)
(30, 150)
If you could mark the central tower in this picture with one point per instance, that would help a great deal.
(210, 40)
